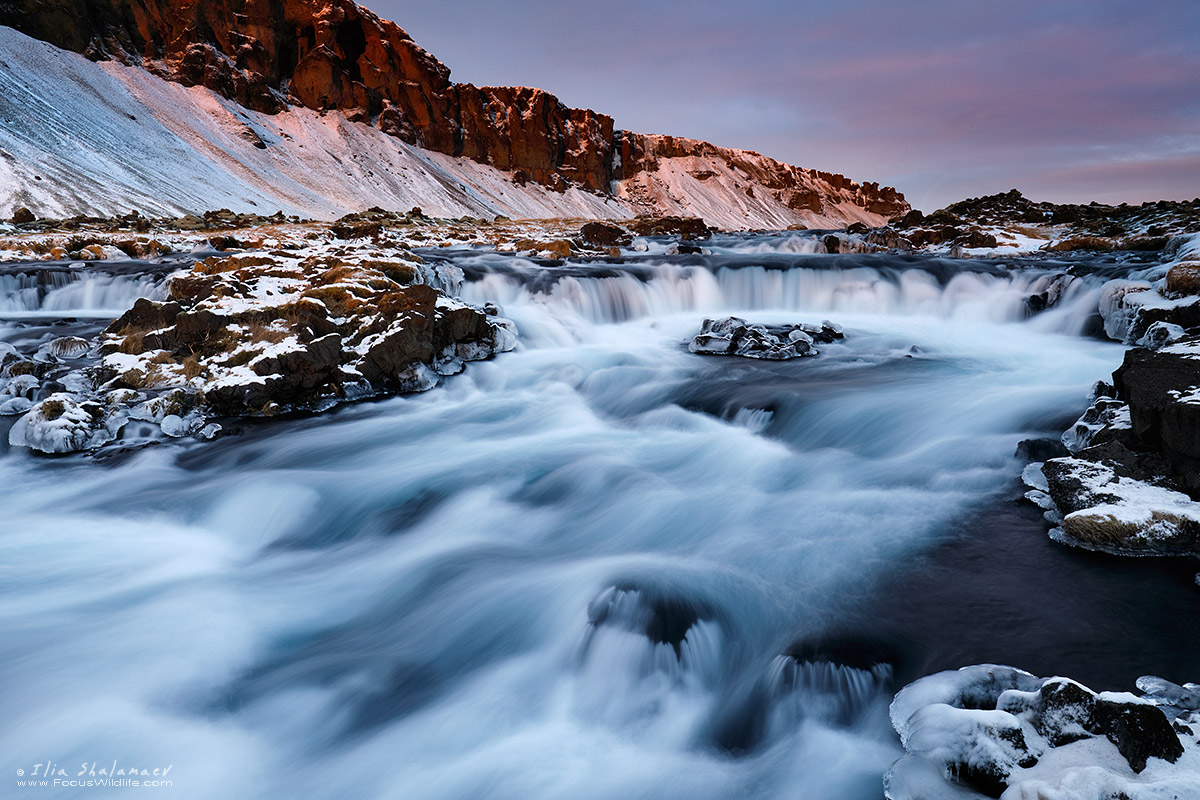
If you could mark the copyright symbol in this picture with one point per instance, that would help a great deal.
(20, 772)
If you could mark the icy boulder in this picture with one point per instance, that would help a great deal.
(993, 731)
(61, 424)
(1161, 334)
(1106, 419)
(733, 336)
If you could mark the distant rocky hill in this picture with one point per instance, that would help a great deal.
(1009, 223)
(273, 57)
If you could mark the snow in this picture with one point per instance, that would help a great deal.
(1191, 395)
(1138, 503)
(1190, 349)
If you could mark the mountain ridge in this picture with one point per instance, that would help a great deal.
(272, 56)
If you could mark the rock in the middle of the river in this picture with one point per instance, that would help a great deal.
(733, 336)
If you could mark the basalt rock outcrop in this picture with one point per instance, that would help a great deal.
(336, 56)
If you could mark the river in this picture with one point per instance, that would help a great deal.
(599, 566)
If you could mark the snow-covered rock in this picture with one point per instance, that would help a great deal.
(994, 731)
(1104, 510)
(62, 424)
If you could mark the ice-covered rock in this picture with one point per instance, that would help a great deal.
(20, 386)
(1173, 699)
(1160, 334)
(15, 405)
(733, 336)
(993, 731)
(176, 426)
(1117, 306)
(65, 347)
(61, 424)
(1104, 415)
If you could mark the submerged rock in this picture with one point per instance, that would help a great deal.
(733, 336)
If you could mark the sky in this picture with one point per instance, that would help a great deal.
(943, 99)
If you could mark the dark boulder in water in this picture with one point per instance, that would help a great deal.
(662, 615)
(1040, 449)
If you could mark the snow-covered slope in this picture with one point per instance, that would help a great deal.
(81, 137)
(78, 137)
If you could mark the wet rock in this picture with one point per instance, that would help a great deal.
(661, 615)
(1040, 449)
(22, 216)
(1162, 388)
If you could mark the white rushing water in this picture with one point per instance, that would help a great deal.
(572, 571)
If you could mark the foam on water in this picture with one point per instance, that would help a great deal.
(566, 573)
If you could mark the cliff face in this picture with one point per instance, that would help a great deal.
(334, 55)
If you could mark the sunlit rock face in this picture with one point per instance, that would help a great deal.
(268, 55)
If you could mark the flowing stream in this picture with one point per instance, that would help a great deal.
(599, 566)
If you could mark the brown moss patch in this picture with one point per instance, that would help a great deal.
(192, 368)
(339, 300)
(1184, 278)
(53, 409)
(133, 342)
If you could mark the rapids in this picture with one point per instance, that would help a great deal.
(596, 567)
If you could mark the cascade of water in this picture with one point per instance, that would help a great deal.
(568, 572)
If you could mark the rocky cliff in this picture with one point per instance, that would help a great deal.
(332, 55)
